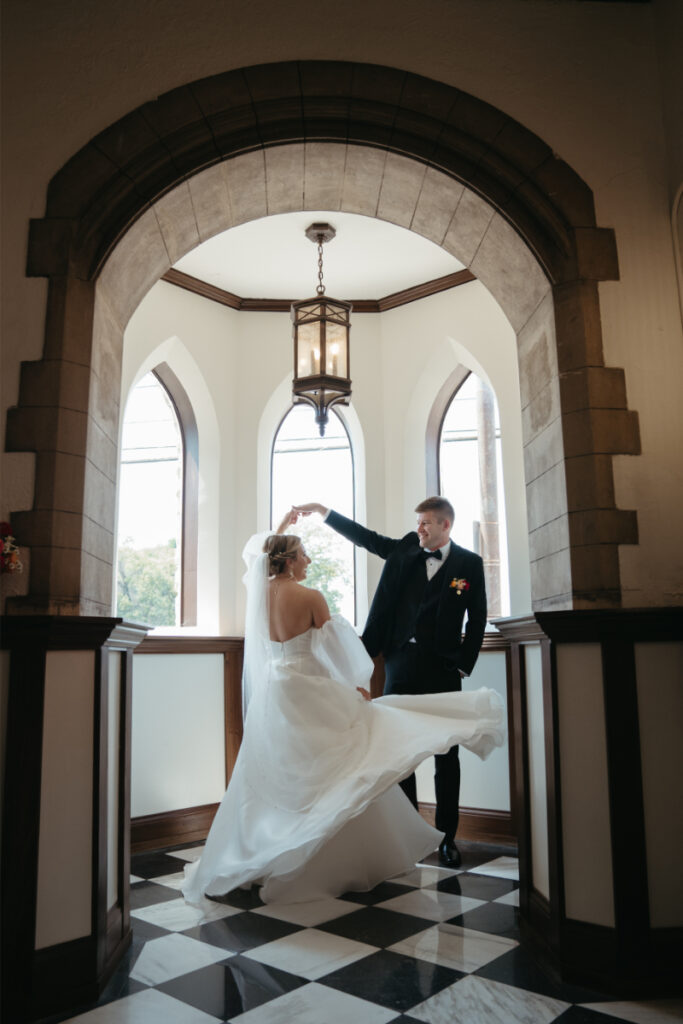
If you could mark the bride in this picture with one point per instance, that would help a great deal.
(312, 809)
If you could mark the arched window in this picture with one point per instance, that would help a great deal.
(157, 522)
(307, 467)
(471, 477)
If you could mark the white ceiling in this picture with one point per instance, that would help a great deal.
(272, 258)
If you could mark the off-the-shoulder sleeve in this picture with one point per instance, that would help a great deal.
(338, 648)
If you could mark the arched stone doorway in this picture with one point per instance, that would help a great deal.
(367, 139)
(393, 145)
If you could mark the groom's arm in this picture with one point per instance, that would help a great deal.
(476, 618)
(373, 542)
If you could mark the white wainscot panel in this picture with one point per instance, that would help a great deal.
(64, 907)
(113, 753)
(538, 793)
(178, 742)
(586, 839)
(485, 785)
(659, 675)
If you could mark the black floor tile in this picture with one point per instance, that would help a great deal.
(398, 982)
(145, 929)
(520, 969)
(581, 1015)
(383, 891)
(242, 931)
(146, 894)
(404, 1019)
(231, 987)
(153, 865)
(495, 918)
(375, 926)
(244, 899)
(480, 887)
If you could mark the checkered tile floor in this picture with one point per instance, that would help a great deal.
(433, 946)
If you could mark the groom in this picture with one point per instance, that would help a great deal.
(415, 621)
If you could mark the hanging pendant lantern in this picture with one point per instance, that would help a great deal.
(321, 343)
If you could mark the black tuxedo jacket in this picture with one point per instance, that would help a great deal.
(385, 630)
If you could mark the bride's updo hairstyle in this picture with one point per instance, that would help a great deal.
(280, 548)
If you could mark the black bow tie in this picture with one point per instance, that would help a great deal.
(431, 554)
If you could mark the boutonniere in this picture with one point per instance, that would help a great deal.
(459, 585)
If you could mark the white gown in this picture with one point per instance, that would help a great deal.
(313, 809)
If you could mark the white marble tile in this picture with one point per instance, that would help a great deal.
(448, 945)
(148, 1007)
(314, 1004)
(308, 914)
(172, 881)
(478, 1001)
(511, 899)
(431, 904)
(192, 854)
(172, 955)
(647, 1011)
(424, 875)
(136, 878)
(178, 916)
(501, 867)
(311, 953)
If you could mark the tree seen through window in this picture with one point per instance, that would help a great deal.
(307, 467)
(150, 508)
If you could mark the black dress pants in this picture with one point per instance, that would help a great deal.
(416, 669)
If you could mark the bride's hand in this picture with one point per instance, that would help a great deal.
(309, 508)
(365, 694)
(289, 519)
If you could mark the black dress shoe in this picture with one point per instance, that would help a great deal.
(449, 854)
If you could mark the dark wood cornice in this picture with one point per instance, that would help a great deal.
(402, 298)
(190, 644)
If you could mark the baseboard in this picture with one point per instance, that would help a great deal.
(479, 826)
(192, 824)
(171, 828)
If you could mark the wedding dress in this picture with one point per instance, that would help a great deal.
(312, 809)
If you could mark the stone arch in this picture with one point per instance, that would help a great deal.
(328, 135)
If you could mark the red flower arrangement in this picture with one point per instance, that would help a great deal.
(459, 585)
(9, 552)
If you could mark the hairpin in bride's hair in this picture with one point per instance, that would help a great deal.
(280, 548)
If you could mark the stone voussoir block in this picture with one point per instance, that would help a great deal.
(54, 382)
(45, 527)
(598, 387)
(590, 482)
(600, 431)
(603, 526)
(577, 325)
(595, 568)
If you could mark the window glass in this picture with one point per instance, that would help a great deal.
(307, 467)
(150, 508)
(471, 477)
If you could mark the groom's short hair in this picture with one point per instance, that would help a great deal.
(441, 506)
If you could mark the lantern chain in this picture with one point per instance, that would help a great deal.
(321, 287)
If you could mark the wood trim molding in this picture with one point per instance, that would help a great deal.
(478, 826)
(190, 644)
(171, 828)
(246, 305)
